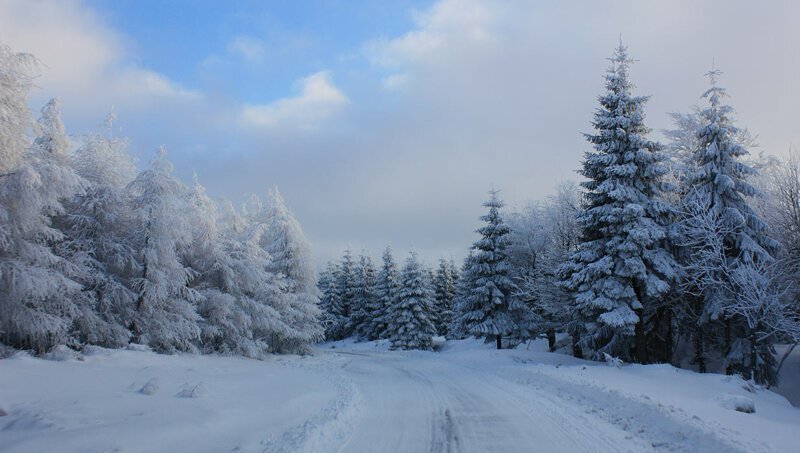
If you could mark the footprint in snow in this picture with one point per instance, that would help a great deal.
(150, 388)
(191, 391)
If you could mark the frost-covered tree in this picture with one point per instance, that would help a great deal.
(337, 285)
(542, 237)
(100, 230)
(411, 318)
(622, 265)
(17, 71)
(488, 307)
(346, 286)
(42, 304)
(719, 180)
(165, 317)
(239, 296)
(387, 290)
(783, 207)
(290, 255)
(464, 285)
(365, 298)
(682, 145)
(719, 187)
(754, 295)
(288, 247)
(445, 289)
(333, 317)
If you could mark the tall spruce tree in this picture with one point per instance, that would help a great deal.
(719, 180)
(487, 307)
(333, 318)
(411, 318)
(718, 193)
(621, 265)
(445, 287)
(365, 280)
(387, 289)
(346, 287)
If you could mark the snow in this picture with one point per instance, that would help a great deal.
(142, 401)
(737, 403)
(361, 397)
(789, 377)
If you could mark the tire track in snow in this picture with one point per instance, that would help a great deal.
(445, 435)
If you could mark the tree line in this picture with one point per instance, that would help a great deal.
(93, 252)
(684, 253)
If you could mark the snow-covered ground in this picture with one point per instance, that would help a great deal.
(360, 397)
(789, 384)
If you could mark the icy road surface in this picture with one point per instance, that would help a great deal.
(362, 398)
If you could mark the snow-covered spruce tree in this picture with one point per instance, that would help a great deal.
(99, 229)
(719, 187)
(464, 287)
(488, 307)
(346, 286)
(411, 318)
(165, 318)
(42, 304)
(445, 288)
(387, 290)
(622, 266)
(333, 318)
(365, 301)
(291, 258)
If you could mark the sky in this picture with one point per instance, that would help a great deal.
(386, 122)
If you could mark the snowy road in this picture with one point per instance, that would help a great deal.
(432, 405)
(428, 402)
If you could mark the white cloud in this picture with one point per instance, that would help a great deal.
(84, 62)
(249, 49)
(317, 99)
(446, 23)
(394, 81)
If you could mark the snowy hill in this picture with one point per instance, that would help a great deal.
(362, 397)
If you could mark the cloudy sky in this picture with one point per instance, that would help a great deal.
(385, 122)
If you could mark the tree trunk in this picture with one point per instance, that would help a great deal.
(576, 346)
(551, 340)
(641, 343)
(498, 342)
(726, 346)
(668, 341)
(699, 350)
(751, 367)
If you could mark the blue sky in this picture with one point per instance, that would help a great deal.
(385, 122)
(277, 41)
